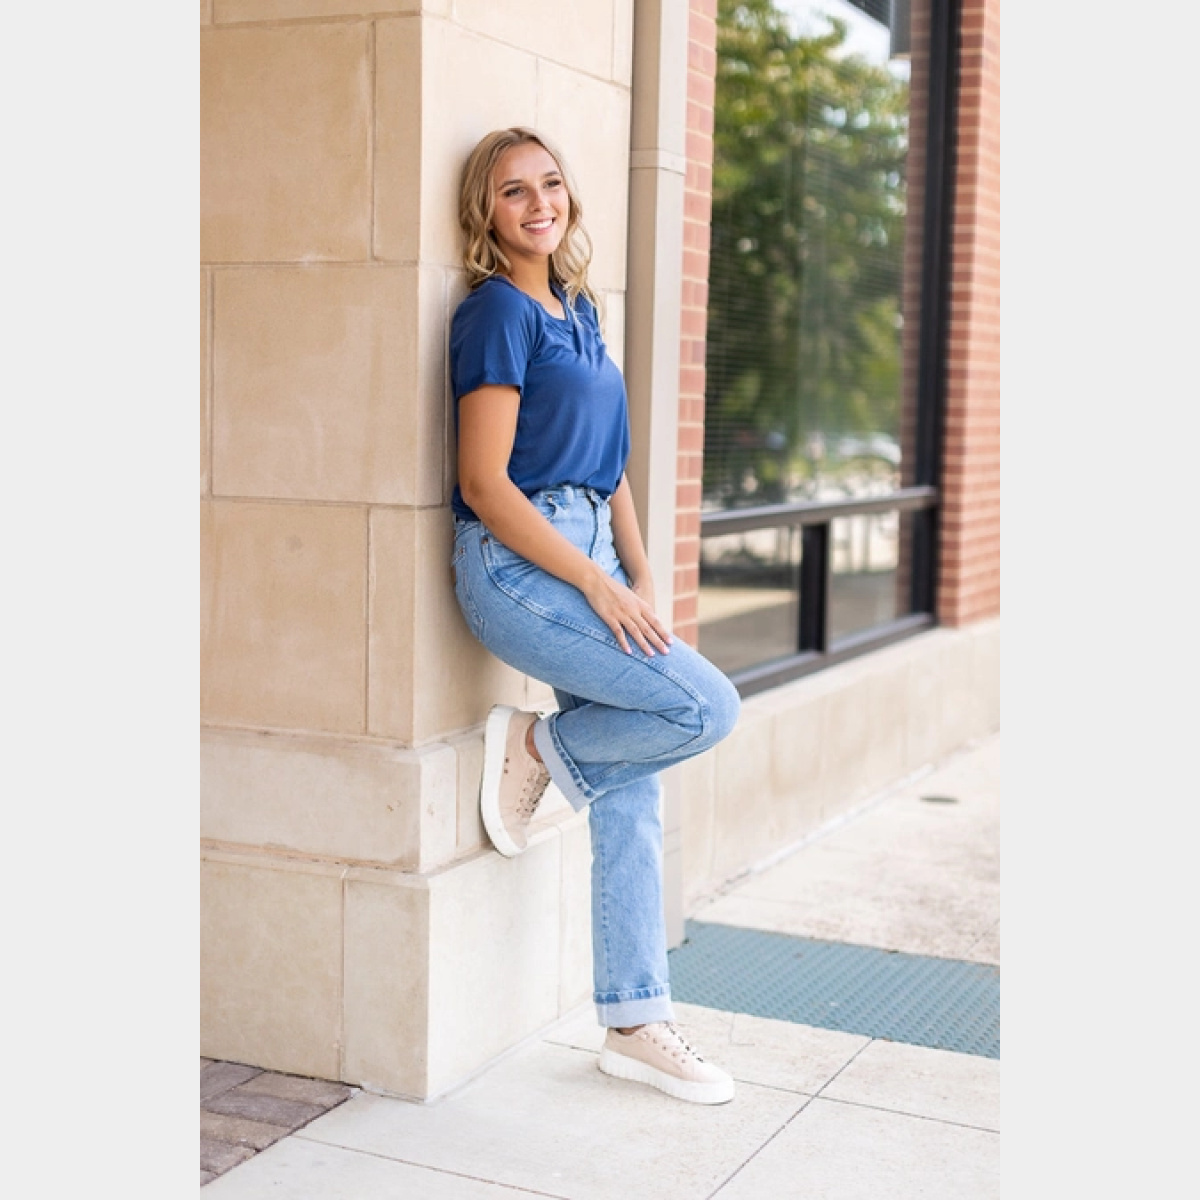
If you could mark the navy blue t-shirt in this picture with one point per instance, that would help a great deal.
(573, 420)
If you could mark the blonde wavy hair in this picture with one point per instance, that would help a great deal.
(482, 256)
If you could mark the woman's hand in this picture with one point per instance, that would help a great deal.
(628, 612)
(644, 590)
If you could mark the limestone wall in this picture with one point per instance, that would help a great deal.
(352, 920)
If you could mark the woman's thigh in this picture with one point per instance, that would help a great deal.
(544, 627)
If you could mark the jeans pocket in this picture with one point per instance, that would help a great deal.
(506, 567)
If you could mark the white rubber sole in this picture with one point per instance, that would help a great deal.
(495, 735)
(620, 1066)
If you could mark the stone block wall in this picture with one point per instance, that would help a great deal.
(352, 913)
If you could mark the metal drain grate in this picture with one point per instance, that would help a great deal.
(935, 1002)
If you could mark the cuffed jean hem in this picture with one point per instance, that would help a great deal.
(643, 1011)
(561, 769)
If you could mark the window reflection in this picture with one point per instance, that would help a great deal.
(749, 597)
(811, 308)
(866, 585)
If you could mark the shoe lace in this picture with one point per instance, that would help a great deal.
(674, 1043)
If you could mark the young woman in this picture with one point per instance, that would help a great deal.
(551, 576)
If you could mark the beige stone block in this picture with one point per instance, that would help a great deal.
(456, 289)
(661, 32)
(205, 381)
(283, 616)
(622, 71)
(280, 10)
(271, 964)
(539, 696)
(887, 748)
(576, 35)
(350, 800)
(954, 678)
(399, 113)
(470, 86)
(468, 751)
(612, 313)
(433, 483)
(392, 617)
(575, 970)
(285, 143)
(796, 765)
(985, 677)
(589, 121)
(698, 798)
(746, 825)
(428, 675)
(316, 386)
(206, 12)
(845, 744)
(387, 1009)
(945, 707)
(495, 936)
(925, 697)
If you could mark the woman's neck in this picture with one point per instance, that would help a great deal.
(534, 280)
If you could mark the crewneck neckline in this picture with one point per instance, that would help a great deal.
(558, 291)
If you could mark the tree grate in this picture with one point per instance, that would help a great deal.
(941, 1003)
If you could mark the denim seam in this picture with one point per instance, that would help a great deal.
(462, 592)
(598, 848)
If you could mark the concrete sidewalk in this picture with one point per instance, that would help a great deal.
(819, 1112)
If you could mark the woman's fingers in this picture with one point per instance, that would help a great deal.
(654, 636)
(662, 635)
(619, 633)
(630, 617)
(644, 627)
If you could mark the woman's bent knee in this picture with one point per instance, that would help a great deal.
(724, 706)
(715, 712)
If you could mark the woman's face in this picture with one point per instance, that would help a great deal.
(530, 215)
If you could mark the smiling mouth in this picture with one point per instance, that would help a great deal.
(539, 226)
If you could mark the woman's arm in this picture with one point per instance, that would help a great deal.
(487, 427)
(627, 538)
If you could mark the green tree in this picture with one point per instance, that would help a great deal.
(807, 246)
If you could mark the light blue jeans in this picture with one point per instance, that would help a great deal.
(621, 719)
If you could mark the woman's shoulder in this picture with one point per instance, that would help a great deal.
(495, 297)
(495, 312)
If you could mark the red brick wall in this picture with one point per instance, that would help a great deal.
(969, 584)
(697, 213)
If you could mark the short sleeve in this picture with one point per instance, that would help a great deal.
(492, 339)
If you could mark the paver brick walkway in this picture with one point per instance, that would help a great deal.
(244, 1109)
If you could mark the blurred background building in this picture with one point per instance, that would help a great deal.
(795, 208)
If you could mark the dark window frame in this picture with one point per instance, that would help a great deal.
(815, 650)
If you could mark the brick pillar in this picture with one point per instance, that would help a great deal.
(701, 92)
(969, 584)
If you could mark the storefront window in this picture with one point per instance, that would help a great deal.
(815, 304)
